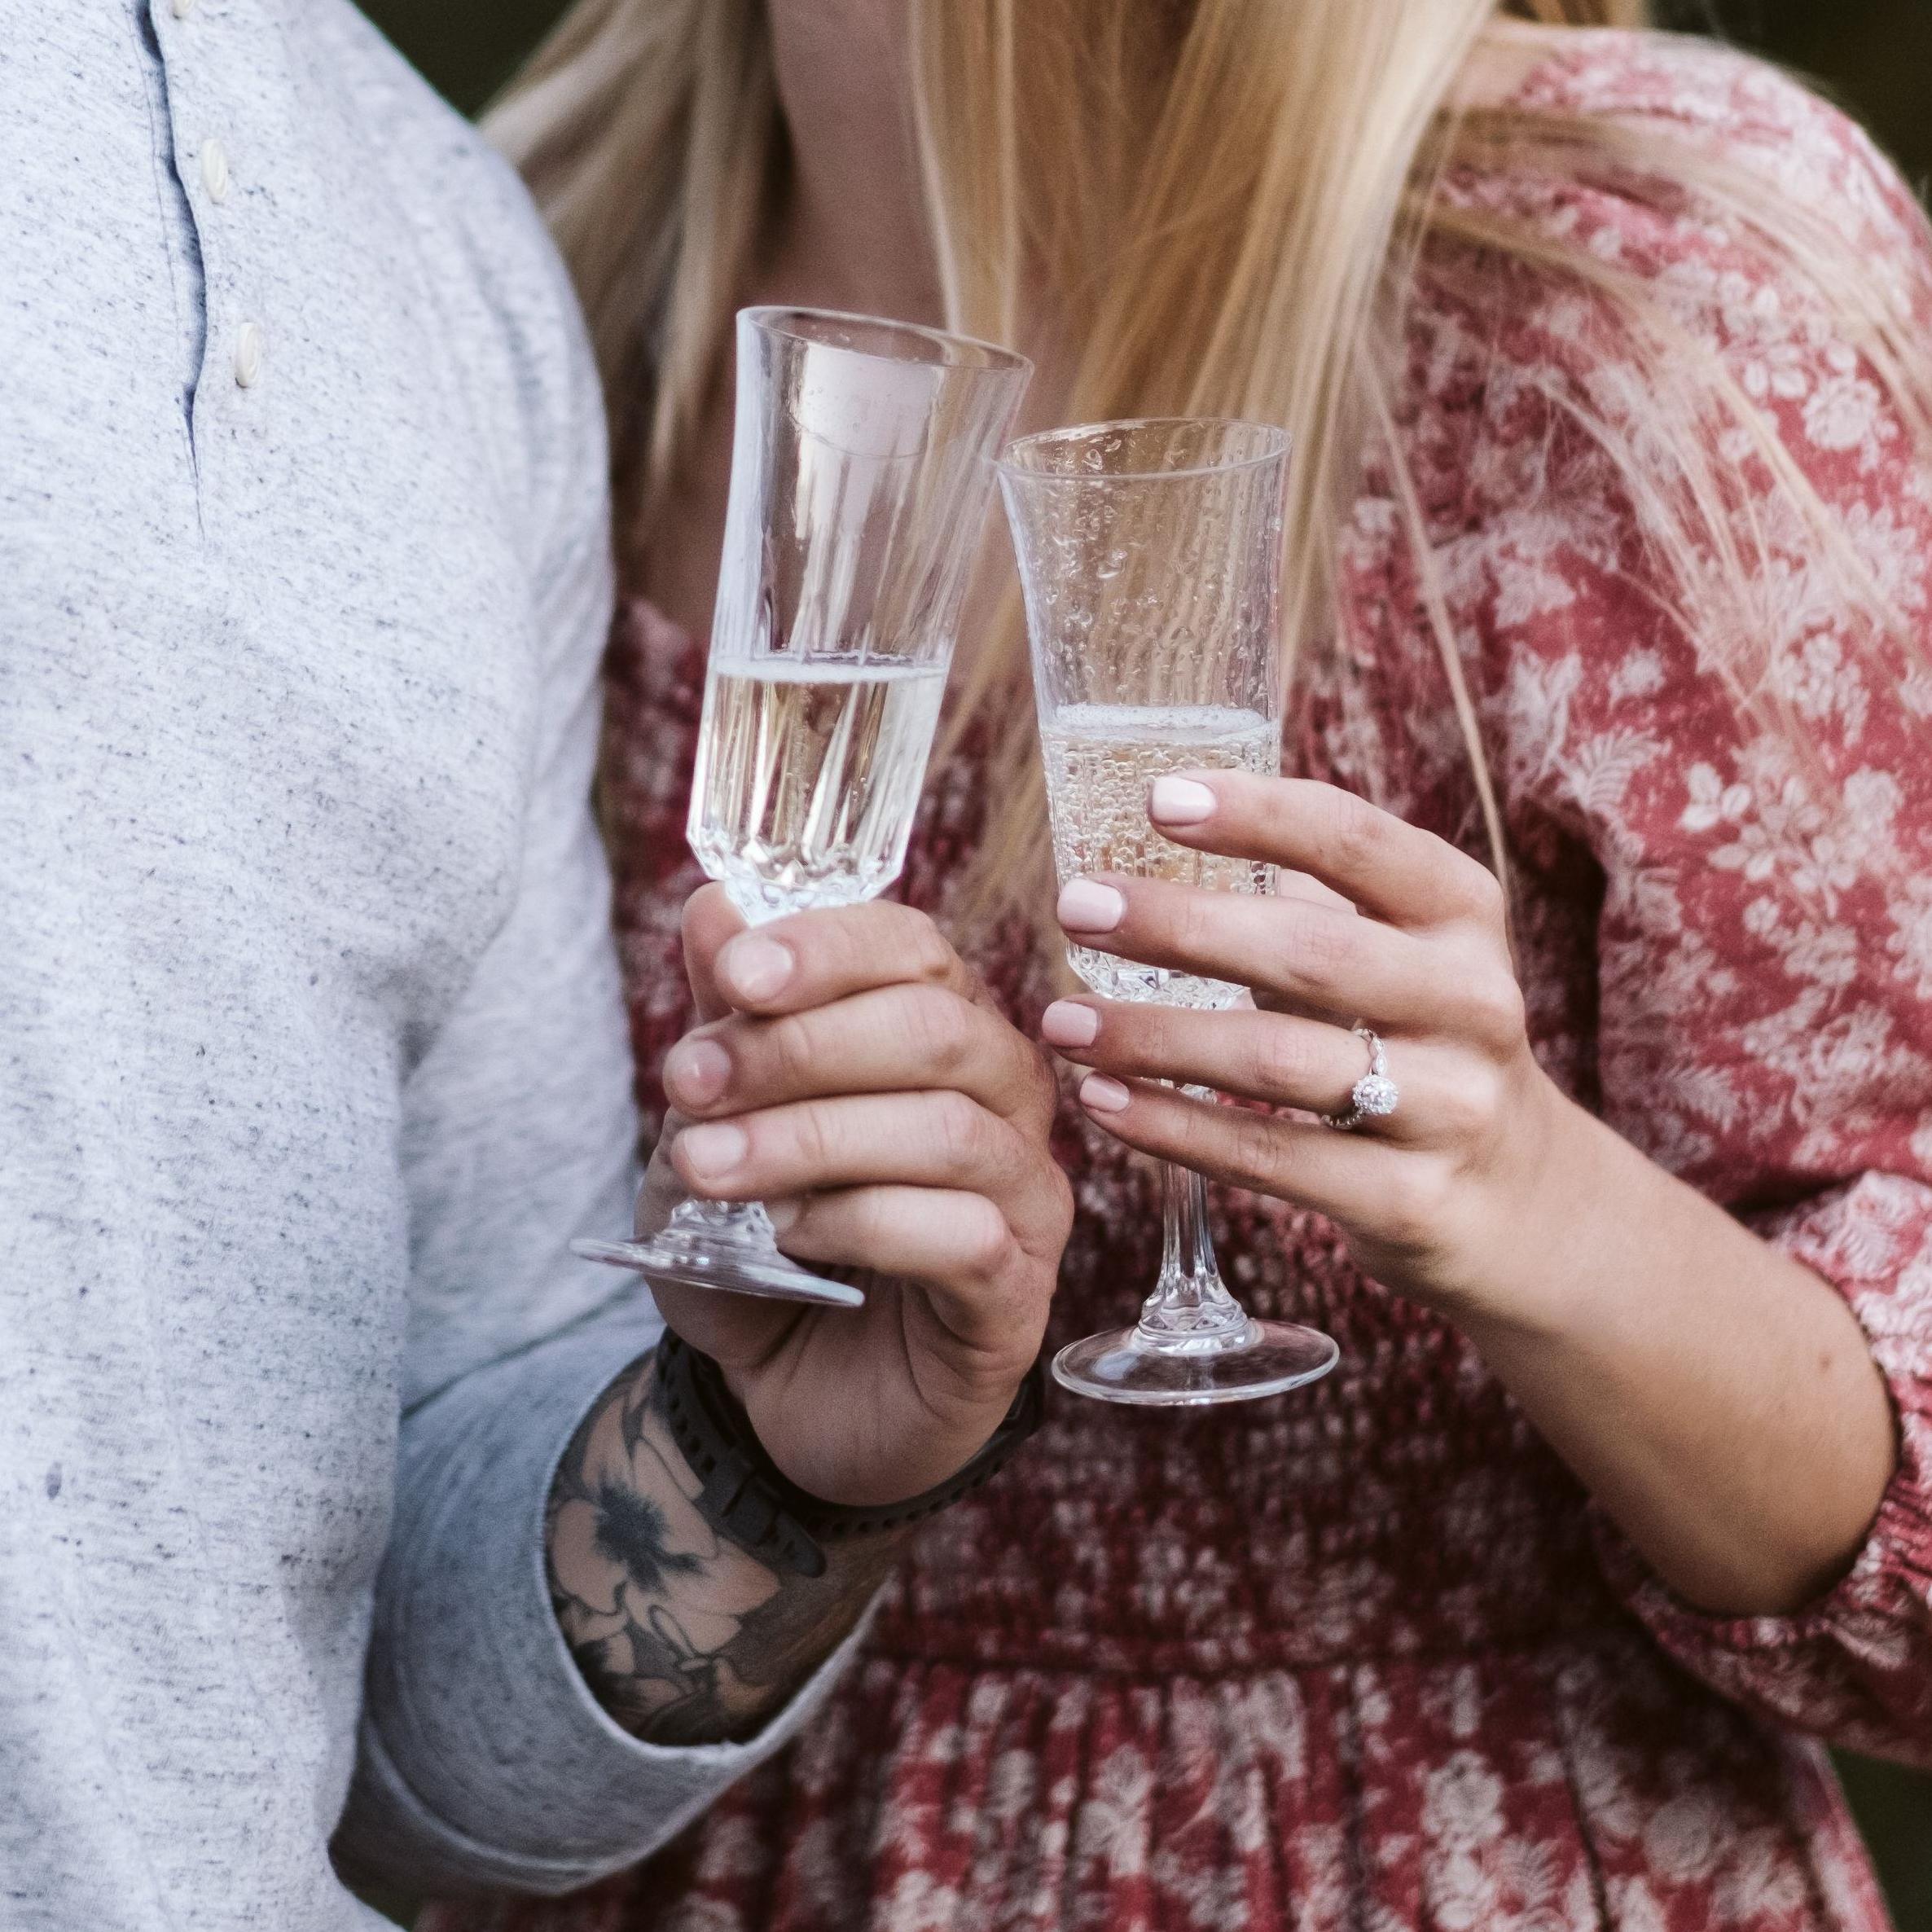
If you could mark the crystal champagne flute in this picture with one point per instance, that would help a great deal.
(1150, 554)
(861, 473)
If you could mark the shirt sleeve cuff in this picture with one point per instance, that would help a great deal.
(1860, 1612)
(487, 1764)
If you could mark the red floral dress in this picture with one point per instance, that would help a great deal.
(1365, 1656)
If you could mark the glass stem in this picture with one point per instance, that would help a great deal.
(1190, 1308)
(744, 1223)
(716, 1224)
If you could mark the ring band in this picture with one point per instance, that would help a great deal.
(1376, 1095)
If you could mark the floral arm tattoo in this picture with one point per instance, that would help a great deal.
(683, 1635)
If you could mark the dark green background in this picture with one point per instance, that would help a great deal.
(1874, 56)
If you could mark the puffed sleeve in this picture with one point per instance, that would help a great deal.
(1764, 940)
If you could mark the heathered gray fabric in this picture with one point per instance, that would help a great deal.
(311, 1052)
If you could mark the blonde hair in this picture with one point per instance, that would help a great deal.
(1224, 201)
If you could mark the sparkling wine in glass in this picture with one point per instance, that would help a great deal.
(1150, 554)
(808, 777)
(861, 472)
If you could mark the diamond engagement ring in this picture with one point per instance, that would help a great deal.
(1376, 1095)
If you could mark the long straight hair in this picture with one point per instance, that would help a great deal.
(1223, 202)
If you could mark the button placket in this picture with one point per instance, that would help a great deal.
(248, 351)
(215, 176)
(195, 95)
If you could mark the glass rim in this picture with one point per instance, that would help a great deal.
(1279, 441)
(996, 359)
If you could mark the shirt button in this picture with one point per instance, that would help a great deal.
(248, 355)
(183, 8)
(214, 169)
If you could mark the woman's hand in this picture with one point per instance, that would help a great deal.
(1378, 923)
(854, 1075)
(1717, 1398)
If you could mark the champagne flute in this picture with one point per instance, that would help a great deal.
(1150, 554)
(861, 472)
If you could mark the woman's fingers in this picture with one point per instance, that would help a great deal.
(1304, 953)
(1285, 1061)
(937, 1139)
(910, 1036)
(1383, 865)
(1350, 1178)
(1446, 1098)
(1291, 884)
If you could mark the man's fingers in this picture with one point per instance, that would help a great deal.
(957, 1245)
(908, 1036)
(1375, 860)
(711, 922)
(926, 1234)
(812, 958)
(739, 1332)
(937, 1139)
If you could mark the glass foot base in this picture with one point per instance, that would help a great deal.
(732, 1270)
(1241, 1364)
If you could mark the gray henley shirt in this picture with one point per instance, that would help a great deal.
(312, 1058)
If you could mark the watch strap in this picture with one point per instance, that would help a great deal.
(765, 1513)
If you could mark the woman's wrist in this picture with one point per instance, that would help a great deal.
(1532, 1239)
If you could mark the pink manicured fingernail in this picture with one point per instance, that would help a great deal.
(1086, 908)
(784, 1213)
(755, 969)
(1180, 802)
(1066, 1023)
(695, 1071)
(711, 1153)
(1098, 1094)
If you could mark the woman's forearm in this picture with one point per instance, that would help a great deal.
(1715, 1396)
(1718, 1397)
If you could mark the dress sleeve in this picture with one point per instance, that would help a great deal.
(1763, 945)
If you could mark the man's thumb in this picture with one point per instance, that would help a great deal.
(710, 921)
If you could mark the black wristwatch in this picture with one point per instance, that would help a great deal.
(762, 1509)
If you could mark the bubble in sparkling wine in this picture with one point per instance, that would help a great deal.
(808, 777)
(1101, 761)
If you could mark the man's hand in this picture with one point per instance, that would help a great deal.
(855, 1076)
(851, 1072)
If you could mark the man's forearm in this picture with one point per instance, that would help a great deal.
(684, 1636)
